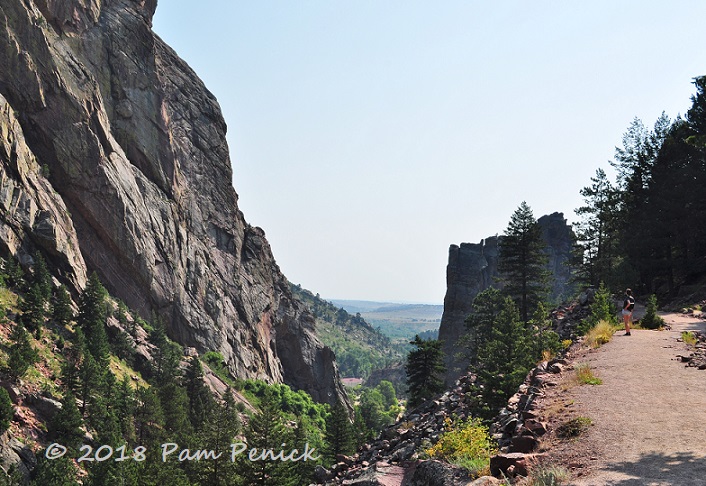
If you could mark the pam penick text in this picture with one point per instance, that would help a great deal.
(171, 450)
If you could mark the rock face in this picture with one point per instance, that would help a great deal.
(473, 268)
(139, 187)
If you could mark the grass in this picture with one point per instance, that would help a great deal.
(573, 428)
(688, 337)
(585, 376)
(599, 334)
(548, 475)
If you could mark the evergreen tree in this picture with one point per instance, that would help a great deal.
(41, 277)
(14, 272)
(651, 320)
(522, 261)
(22, 354)
(425, 369)
(200, 398)
(34, 310)
(91, 377)
(91, 319)
(63, 313)
(479, 323)
(339, 433)
(505, 358)
(65, 426)
(149, 419)
(57, 472)
(7, 411)
(165, 367)
(597, 231)
(219, 431)
(266, 430)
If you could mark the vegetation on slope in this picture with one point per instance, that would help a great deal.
(359, 347)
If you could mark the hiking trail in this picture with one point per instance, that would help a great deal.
(649, 414)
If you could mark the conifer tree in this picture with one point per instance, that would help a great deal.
(91, 319)
(65, 426)
(22, 354)
(339, 433)
(522, 261)
(266, 430)
(425, 369)
(201, 400)
(41, 277)
(34, 310)
(7, 411)
(63, 313)
(57, 472)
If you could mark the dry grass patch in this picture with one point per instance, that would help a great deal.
(585, 376)
(599, 334)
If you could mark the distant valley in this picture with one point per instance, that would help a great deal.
(397, 321)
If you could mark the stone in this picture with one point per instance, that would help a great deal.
(473, 267)
(514, 462)
(123, 168)
(524, 443)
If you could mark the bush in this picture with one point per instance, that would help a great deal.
(585, 376)
(651, 319)
(602, 309)
(467, 444)
(546, 475)
(599, 334)
(6, 410)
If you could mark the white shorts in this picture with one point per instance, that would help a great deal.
(626, 312)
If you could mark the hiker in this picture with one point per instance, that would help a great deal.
(628, 306)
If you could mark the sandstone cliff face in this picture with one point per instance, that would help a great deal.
(473, 268)
(136, 151)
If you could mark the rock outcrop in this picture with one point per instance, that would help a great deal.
(137, 184)
(473, 268)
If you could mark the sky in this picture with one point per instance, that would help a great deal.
(367, 136)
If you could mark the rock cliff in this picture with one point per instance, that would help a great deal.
(473, 267)
(114, 159)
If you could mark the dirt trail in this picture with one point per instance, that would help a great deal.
(649, 414)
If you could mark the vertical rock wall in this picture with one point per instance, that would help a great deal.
(136, 151)
(473, 268)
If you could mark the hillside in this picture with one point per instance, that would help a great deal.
(113, 159)
(359, 347)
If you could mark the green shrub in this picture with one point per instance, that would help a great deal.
(466, 444)
(651, 319)
(602, 309)
(688, 338)
(585, 376)
(6, 410)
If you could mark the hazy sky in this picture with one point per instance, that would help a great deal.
(368, 136)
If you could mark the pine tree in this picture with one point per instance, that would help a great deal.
(522, 261)
(22, 354)
(41, 277)
(7, 411)
(339, 433)
(57, 472)
(266, 430)
(91, 319)
(597, 231)
(65, 426)
(34, 310)
(425, 369)
(63, 313)
(201, 400)
(505, 358)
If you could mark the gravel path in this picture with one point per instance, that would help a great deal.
(649, 414)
